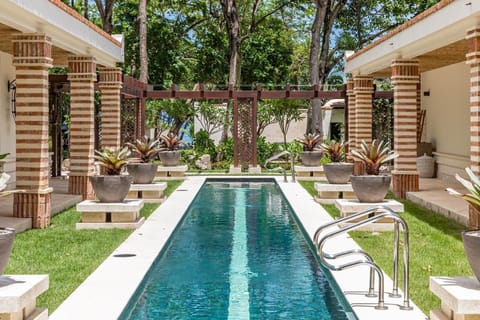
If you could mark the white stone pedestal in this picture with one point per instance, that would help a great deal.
(328, 193)
(100, 215)
(460, 298)
(235, 170)
(176, 172)
(308, 173)
(350, 206)
(149, 193)
(18, 297)
(254, 170)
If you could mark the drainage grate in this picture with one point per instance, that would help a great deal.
(124, 255)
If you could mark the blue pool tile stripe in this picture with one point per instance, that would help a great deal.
(239, 299)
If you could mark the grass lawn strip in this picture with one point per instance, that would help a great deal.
(67, 255)
(436, 249)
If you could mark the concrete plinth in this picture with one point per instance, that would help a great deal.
(460, 298)
(99, 215)
(235, 170)
(18, 297)
(328, 193)
(171, 172)
(254, 170)
(149, 193)
(306, 173)
(350, 206)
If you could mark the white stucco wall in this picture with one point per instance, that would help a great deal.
(7, 121)
(447, 120)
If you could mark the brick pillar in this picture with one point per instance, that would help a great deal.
(351, 117)
(473, 60)
(82, 75)
(110, 84)
(32, 59)
(363, 91)
(405, 78)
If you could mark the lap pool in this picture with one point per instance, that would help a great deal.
(238, 254)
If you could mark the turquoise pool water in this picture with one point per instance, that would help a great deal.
(238, 254)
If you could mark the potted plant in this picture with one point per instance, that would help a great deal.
(372, 187)
(112, 186)
(337, 171)
(471, 238)
(7, 235)
(168, 153)
(141, 167)
(311, 154)
(2, 156)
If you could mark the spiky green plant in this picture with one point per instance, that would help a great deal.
(145, 149)
(373, 155)
(3, 185)
(310, 141)
(3, 155)
(170, 141)
(113, 160)
(473, 186)
(335, 150)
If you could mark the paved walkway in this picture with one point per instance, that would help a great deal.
(432, 195)
(61, 200)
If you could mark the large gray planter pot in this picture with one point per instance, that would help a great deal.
(338, 172)
(471, 244)
(7, 235)
(169, 158)
(370, 188)
(311, 158)
(111, 188)
(142, 173)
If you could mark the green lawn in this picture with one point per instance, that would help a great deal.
(436, 249)
(67, 255)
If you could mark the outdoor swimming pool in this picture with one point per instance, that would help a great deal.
(238, 254)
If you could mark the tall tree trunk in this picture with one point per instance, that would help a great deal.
(85, 9)
(314, 123)
(106, 12)
(232, 22)
(142, 30)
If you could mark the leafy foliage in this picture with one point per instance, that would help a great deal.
(3, 155)
(473, 186)
(203, 144)
(373, 155)
(112, 160)
(310, 141)
(170, 141)
(145, 149)
(335, 150)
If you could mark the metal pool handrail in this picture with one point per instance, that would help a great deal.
(292, 167)
(385, 212)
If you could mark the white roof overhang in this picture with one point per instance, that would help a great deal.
(68, 33)
(442, 33)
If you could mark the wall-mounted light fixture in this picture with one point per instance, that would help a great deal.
(12, 88)
(426, 93)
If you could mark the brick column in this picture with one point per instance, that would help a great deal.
(473, 60)
(82, 75)
(405, 78)
(110, 84)
(363, 91)
(351, 117)
(32, 59)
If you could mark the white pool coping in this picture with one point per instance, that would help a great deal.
(104, 294)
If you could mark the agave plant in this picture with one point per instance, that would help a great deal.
(473, 186)
(3, 155)
(113, 160)
(310, 141)
(374, 154)
(170, 141)
(3, 185)
(145, 149)
(335, 150)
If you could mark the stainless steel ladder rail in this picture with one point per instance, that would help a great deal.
(292, 167)
(387, 213)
